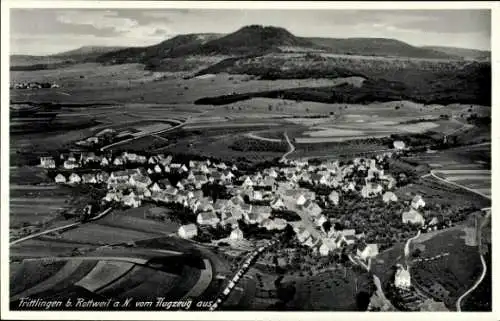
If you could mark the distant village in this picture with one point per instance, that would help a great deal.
(33, 85)
(252, 198)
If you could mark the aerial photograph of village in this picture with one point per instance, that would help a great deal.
(250, 160)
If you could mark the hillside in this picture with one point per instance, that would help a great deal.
(378, 47)
(463, 52)
(173, 47)
(85, 53)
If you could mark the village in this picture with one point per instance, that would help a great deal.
(262, 199)
(33, 85)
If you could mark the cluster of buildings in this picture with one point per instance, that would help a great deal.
(253, 198)
(33, 85)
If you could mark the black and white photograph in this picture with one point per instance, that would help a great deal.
(248, 159)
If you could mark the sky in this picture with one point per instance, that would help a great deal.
(47, 31)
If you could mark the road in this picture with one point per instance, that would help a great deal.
(291, 150)
(483, 262)
(144, 135)
(459, 301)
(60, 228)
(433, 174)
(255, 136)
(407, 247)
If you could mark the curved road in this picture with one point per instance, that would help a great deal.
(459, 301)
(144, 135)
(483, 262)
(72, 225)
(407, 247)
(432, 173)
(291, 150)
(255, 136)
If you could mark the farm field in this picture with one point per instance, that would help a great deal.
(46, 248)
(327, 291)
(99, 234)
(448, 277)
(134, 220)
(131, 83)
(32, 205)
(458, 166)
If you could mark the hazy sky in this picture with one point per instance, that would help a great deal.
(44, 31)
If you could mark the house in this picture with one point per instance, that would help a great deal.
(153, 160)
(200, 179)
(413, 217)
(246, 181)
(264, 211)
(131, 200)
(118, 161)
(277, 204)
(205, 205)
(88, 157)
(302, 234)
(220, 205)
(157, 169)
(227, 176)
(186, 194)
(351, 186)
(155, 188)
(334, 198)
(275, 224)
(254, 218)
(311, 208)
(389, 197)
(399, 145)
(229, 217)
(74, 178)
(348, 232)
(70, 164)
(188, 231)
(112, 197)
(176, 166)
(102, 177)
(236, 234)
(320, 220)
(207, 218)
(402, 279)
(140, 181)
(367, 251)
(104, 162)
(180, 184)
(301, 200)
(417, 202)
(371, 190)
(271, 172)
(257, 196)
(89, 179)
(350, 239)
(236, 201)
(60, 179)
(327, 246)
(144, 193)
(170, 190)
(47, 162)
(245, 208)
(433, 221)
